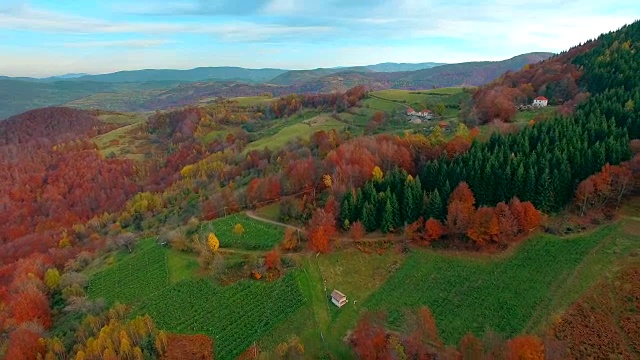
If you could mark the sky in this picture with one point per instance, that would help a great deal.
(53, 37)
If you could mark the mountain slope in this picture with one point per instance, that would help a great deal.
(197, 74)
(396, 67)
(301, 76)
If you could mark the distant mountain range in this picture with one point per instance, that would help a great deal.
(159, 89)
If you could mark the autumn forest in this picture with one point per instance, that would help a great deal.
(219, 229)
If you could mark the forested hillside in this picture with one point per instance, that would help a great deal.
(231, 221)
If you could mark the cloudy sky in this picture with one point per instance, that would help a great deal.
(52, 37)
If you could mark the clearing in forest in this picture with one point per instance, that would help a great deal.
(256, 235)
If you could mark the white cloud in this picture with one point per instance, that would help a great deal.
(133, 43)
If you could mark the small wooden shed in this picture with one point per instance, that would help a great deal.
(338, 298)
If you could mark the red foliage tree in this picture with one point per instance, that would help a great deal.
(320, 230)
(357, 231)
(370, 339)
(507, 224)
(423, 342)
(24, 344)
(532, 217)
(272, 260)
(433, 230)
(525, 347)
(414, 231)
(471, 348)
(31, 305)
(460, 210)
(484, 226)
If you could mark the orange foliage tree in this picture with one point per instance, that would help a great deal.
(370, 338)
(484, 226)
(321, 228)
(31, 305)
(433, 229)
(460, 210)
(272, 260)
(525, 347)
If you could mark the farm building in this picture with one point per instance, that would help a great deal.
(540, 101)
(427, 114)
(338, 298)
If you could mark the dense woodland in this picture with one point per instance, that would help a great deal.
(63, 202)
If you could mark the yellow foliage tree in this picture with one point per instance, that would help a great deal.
(65, 240)
(436, 137)
(326, 179)
(238, 229)
(52, 278)
(377, 174)
(462, 130)
(409, 178)
(188, 171)
(213, 242)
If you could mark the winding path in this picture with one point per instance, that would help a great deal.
(340, 237)
(252, 214)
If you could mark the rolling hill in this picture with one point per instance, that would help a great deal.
(197, 74)
(147, 90)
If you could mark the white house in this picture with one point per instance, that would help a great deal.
(338, 298)
(540, 101)
(427, 114)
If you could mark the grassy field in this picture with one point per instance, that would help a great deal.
(291, 132)
(256, 236)
(121, 143)
(525, 116)
(122, 118)
(320, 325)
(507, 295)
(519, 291)
(271, 211)
(212, 135)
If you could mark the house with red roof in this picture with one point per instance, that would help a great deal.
(411, 112)
(540, 101)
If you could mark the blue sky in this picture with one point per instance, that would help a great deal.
(52, 37)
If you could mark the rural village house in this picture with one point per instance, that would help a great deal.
(338, 298)
(540, 101)
(427, 114)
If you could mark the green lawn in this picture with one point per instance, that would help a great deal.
(212, 135)
(291, 132)
(271, 211)
(257, 235)
(321, 325)
(507, 294)
(525, 116)
(181, 265)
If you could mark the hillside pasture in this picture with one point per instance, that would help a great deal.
(257, 235)
(300, 130)
(122, 142)
(508, 294)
